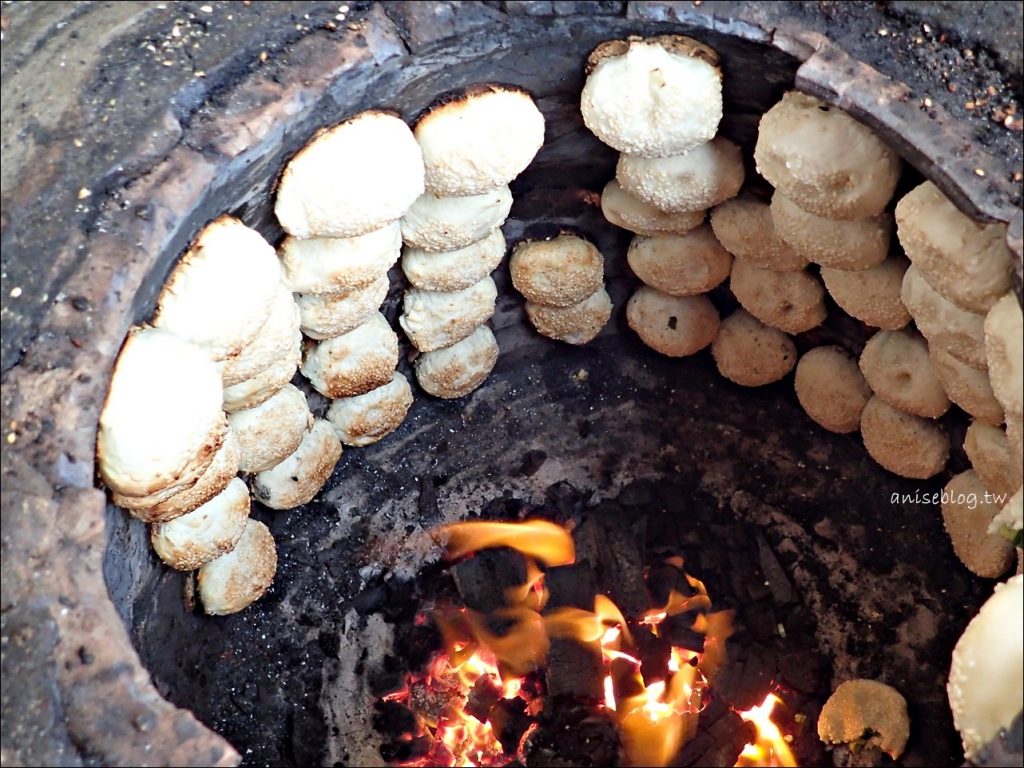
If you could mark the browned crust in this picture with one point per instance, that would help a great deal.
(563, 323)
(313, 471)
(461, 96)
(191, 556)
(246, 586)
(383, 419)
(374, 371)
(677, 44)
(445, 382)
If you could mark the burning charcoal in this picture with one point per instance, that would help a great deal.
(399, 752)
(625, 681)
(573, 736)
(483, 578)
(571, 585)
(663, 579)
(385, 683)
(639, 493)
(416, 645)
(532, 461)
(564, 498)
(676, 629)
(606, 540)
(509, 721)
(402, 601)
(395, 719)
(654, 653)
(485, 694)
(370, 600)
(779, 584)
(759, 619)
(502, 508)
(574, 669)
(693, 752)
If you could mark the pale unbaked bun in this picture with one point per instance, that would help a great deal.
(966, 261)
(355, 362)
(365, 419)
(241, 577)
(624, 210)
(446, 223)
(457, 370)
(871, 295)
(161, 423)
(1004, 350)
(852, 245)
(793, 302)
(902, 443)
(155, 508)
(279, 334)
(558, 272)
(656, 97)
(327, 315)
(435, 319)
(831, 389)
(967, 511)
(991, 454)
(750, 353)
(673, 326)
(300, 475)
(745, 228)
(479, 139)
(824, 160)
(252, 392)
(897, 368)
(351, 179)
(966, 386)
(272, 430)
(680, 265)
(942, 322)
(986, 677)
(705, 176)
(457, 269)
(206, 532)
(575, 324)
(221, 290)
(340, 264)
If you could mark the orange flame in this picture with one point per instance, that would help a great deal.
(770, 748)
(549, 543)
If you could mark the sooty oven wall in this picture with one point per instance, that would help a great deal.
(744, 468)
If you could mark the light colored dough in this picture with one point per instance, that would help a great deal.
(673, 326)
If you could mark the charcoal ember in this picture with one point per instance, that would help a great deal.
(564, 499)
(402, 601)
(416, 645)
(387, 682)
(404, 751)
(639, 493)
(574, 669)
(693, 752)
(759, 619)
(572, 735)
(485, 694)
(509, 722)
(729, 734)
(678, 631)
(626, 683)
(778, 582)
(395, 719)
(571, 585)
(802, 671)
(505, 507)
(745, 686)
(483, 578)
(654, 653)
(370, 600)
(607, 541)
(533, 460)
(664, 579)
(845, 756)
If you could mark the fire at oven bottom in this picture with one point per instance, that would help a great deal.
(578, 642)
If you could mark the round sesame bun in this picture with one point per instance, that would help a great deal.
(1004, 350)
(330, 315)
(991, 454)
(266, 383)
(446, 223)
(355, 362)
(745, 228)
(272, 430)
(457, 370)
(365, 419)
(558, 272)
(793, 302)
(673, 326)
(680, 265)
(340, 264)
(967, 511)
(161, 424)
(850, 245)
(942, 322)
(824, 160)
(871, 295)
(705, 176)
(750, 353)
(279, 334)
(966, 386)
(831, 389)
(351, 179)
(478, 138)
(624, 210)
(239, 578)
(654, 98)
(897, 368)
(300, 475)
(436, 319)
(574, 324)
(904, 444)
(966, 261)
(454, 270)
(221, 291)
(205, 533)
